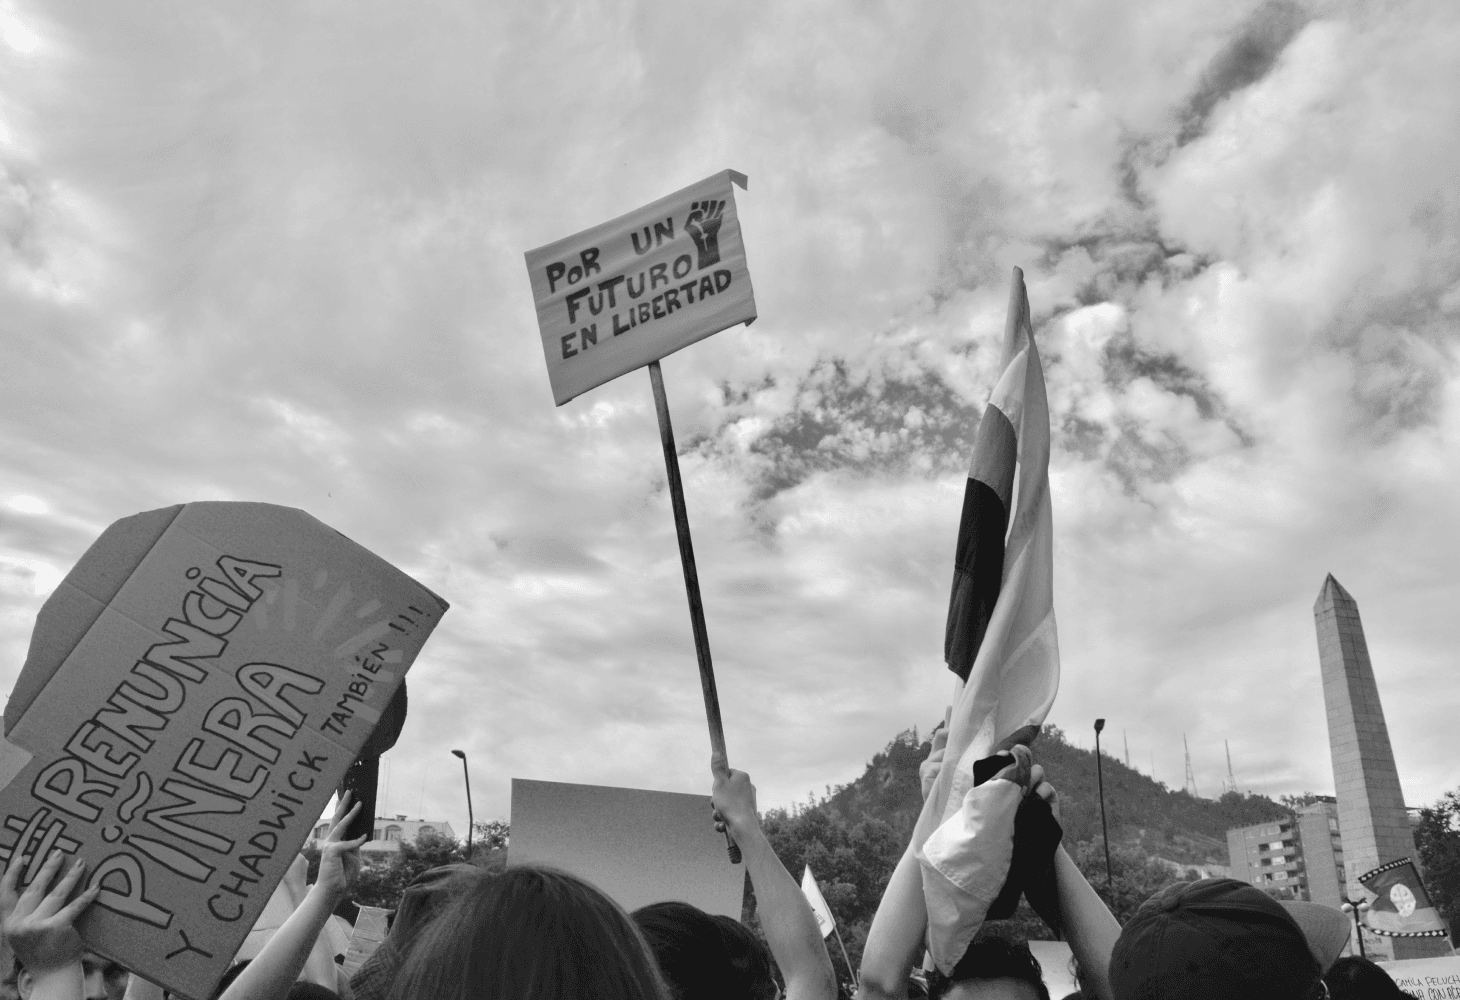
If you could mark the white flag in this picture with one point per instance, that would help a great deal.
(818, 904)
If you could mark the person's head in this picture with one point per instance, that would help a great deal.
(102, 979)
(426, 896)
(1355, 978)
(705, 956)
(991, 969)
(530, 933)
(1216, 938)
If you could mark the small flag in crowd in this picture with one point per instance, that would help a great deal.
(1000, 640)
(818, 903)
(1403, 908)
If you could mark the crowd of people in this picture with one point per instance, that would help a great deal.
(536, 933)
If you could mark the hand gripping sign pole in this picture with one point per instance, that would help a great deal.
(626, 293)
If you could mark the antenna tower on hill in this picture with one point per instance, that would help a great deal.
(1231, 784)
(1126, 738)
(1190, 777)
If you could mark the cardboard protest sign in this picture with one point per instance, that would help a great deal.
(1427, 978)
(638, 846)
(622, 294)
(195, 689)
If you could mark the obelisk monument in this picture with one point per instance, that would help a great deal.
(1372, 820)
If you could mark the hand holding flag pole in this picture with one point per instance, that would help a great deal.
(719, 761)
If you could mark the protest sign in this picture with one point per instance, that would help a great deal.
(622, 294)
(1427, 978)
(195, 689)
(638, 846)
(688, 244)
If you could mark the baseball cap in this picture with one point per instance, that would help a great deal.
(1220, 938)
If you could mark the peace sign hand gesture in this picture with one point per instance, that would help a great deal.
(339, 859)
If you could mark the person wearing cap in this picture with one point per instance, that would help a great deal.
(1220, 938)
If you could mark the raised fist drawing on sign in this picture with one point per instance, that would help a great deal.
(703, 226)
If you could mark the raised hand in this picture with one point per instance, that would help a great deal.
(703, 225)
(929, 769)
(1039, 786)
(39, 923)
(339, 859)
(733, 800)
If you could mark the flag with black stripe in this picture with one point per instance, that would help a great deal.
(978, 560)
(1001, 641)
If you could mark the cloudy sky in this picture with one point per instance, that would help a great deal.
(274, 252)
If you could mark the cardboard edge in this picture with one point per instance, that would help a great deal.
(445, 604)
(76, 604)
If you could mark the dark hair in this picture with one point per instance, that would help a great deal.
(706, 956)
(427, 895)
(991, 957)
(531, 933)
(1355, 978)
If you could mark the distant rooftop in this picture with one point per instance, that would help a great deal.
(390, 832)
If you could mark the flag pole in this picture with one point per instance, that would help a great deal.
(850, 970)
(718, 758)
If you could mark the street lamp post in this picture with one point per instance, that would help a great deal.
(1104, 830)
(1357, 912)
(470, 820)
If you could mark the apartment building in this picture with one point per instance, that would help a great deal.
(1296, 858)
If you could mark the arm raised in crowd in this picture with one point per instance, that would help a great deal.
(274, 971)
(785, 915)
(1089, 926)
(895, 939)
(39, 926)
